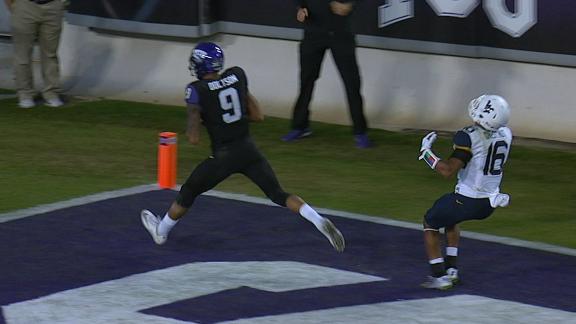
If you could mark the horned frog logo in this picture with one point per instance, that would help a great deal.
(198, 55)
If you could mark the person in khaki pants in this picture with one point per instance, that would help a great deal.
(37, 21)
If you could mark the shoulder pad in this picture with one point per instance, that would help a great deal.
(505, 132)
(462, 139)
(238, 71)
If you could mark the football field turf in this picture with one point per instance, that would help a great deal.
(90, 260)
(86, 147)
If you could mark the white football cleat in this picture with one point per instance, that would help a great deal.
(441, 283)
(332, 234)
(151, 222)
(452, 273)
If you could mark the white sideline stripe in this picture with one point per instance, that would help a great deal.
(385, 221)
(241, 197)
(41, 209)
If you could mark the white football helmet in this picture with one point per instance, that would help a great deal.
(489, 111)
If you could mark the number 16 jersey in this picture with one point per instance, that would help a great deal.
(484, 154)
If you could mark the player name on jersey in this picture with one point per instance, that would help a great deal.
(226, 81)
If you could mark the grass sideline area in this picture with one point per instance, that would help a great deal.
(86, 147)
(7, 92)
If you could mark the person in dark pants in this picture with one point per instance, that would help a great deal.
(221, 101)
(327, 26)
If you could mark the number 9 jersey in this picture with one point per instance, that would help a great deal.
(484, 154)
(223, 105)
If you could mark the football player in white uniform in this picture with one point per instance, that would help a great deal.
(480, 152)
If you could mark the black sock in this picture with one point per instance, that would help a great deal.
(437, 269)
(451, 261)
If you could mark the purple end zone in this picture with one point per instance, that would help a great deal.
(101, 241)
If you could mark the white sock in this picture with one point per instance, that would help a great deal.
(452, 251)
(166, 225)
(311, 215)
(435, 261)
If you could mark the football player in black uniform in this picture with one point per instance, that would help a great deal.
(222, 102)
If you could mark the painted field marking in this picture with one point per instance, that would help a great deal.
(245, 198)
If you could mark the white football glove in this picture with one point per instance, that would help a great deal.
(426, 153)
(427, 141)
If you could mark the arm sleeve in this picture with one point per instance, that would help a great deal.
(462, 147)
(192, 97)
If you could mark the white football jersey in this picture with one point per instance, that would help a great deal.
(481, 176)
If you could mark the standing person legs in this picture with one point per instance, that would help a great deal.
(25, 25)
(438, 278)
(439, 216)
(49, 41)
(344, 53)
(447, 212)
(311, 56)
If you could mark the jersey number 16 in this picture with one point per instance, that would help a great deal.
(494, 159)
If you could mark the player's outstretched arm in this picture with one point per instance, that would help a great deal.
(450, 167)
(254, 111)
(193, 125)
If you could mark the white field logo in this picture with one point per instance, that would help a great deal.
(123, 300)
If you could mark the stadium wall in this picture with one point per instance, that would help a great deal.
(401, 89)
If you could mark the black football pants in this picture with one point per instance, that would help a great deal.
(343, 50)
(238, 157)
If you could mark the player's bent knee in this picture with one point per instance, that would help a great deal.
(428, 228)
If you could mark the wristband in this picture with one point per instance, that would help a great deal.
(430, 158)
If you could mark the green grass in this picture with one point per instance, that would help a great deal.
(6, 91)
(48, 155)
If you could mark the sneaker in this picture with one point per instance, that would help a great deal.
(26, 103)
(362, 141)
(333, 235)
(151, 222)
(296, 134)
(54, 102)
(441, 283)
(452, 273)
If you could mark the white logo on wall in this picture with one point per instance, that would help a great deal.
(514, 24)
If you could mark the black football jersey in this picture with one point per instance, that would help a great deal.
(223, 105)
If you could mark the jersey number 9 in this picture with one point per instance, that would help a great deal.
(230, 104)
